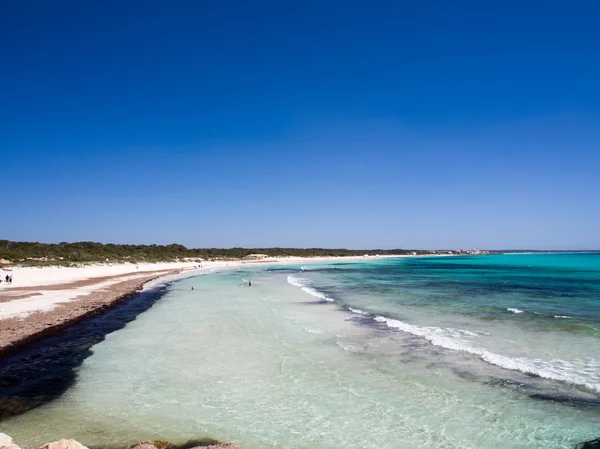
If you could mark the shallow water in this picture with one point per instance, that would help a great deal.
(430, 357)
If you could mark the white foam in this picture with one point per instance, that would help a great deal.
(562, 316)
(466, 332)
(305, 285)
(348, 347)
(313, 268)
(296, 281)
(510, 309)
(554, 369)
(357, 311)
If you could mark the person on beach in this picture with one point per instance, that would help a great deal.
(250, 283)
(240, 285)
(6, 278)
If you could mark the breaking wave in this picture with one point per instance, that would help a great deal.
(453, 339)
(584, 375)
(306, 286)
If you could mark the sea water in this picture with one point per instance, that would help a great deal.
(445, 352)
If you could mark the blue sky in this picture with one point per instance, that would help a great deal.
(332, 124)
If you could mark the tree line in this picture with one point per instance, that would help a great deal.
(75, 252)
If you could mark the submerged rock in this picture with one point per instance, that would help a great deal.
(6, 442)
(222, 446)
(202, 442)
(157, 444)
(63, 444)
(591, 444)
(144, 445)
(205, 443)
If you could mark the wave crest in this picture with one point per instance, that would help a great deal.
(306, 286)
(450, 339)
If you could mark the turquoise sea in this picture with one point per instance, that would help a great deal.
(499, 351)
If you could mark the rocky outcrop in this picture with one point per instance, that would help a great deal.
(6, 442)
(10, 446)
(63, 444)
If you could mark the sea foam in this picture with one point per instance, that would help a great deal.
(447, 338)
(307, 287)
(357, 311)
(463, 340)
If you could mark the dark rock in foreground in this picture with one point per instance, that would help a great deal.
(590, 444)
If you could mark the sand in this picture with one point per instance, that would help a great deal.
(44, 300)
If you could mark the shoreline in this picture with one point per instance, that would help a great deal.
(18, 333)
(188, 320)
(43, 301)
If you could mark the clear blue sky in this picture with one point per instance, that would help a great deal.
(312, 123)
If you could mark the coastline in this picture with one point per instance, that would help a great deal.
(18, 332)
(43, 301)
(199, 328)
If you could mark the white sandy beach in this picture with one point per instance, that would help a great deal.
(34, 289)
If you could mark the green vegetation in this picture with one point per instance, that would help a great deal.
(34, 253)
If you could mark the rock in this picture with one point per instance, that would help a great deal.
(63, 444)
(10, 446)
(207, 443)
(591, 444)
(202, 442)
(142, 446)
(157, 444)
(223, 446)
(5, 440)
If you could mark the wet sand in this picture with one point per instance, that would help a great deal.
(17, 332)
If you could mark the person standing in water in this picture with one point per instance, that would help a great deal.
(250, 283)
